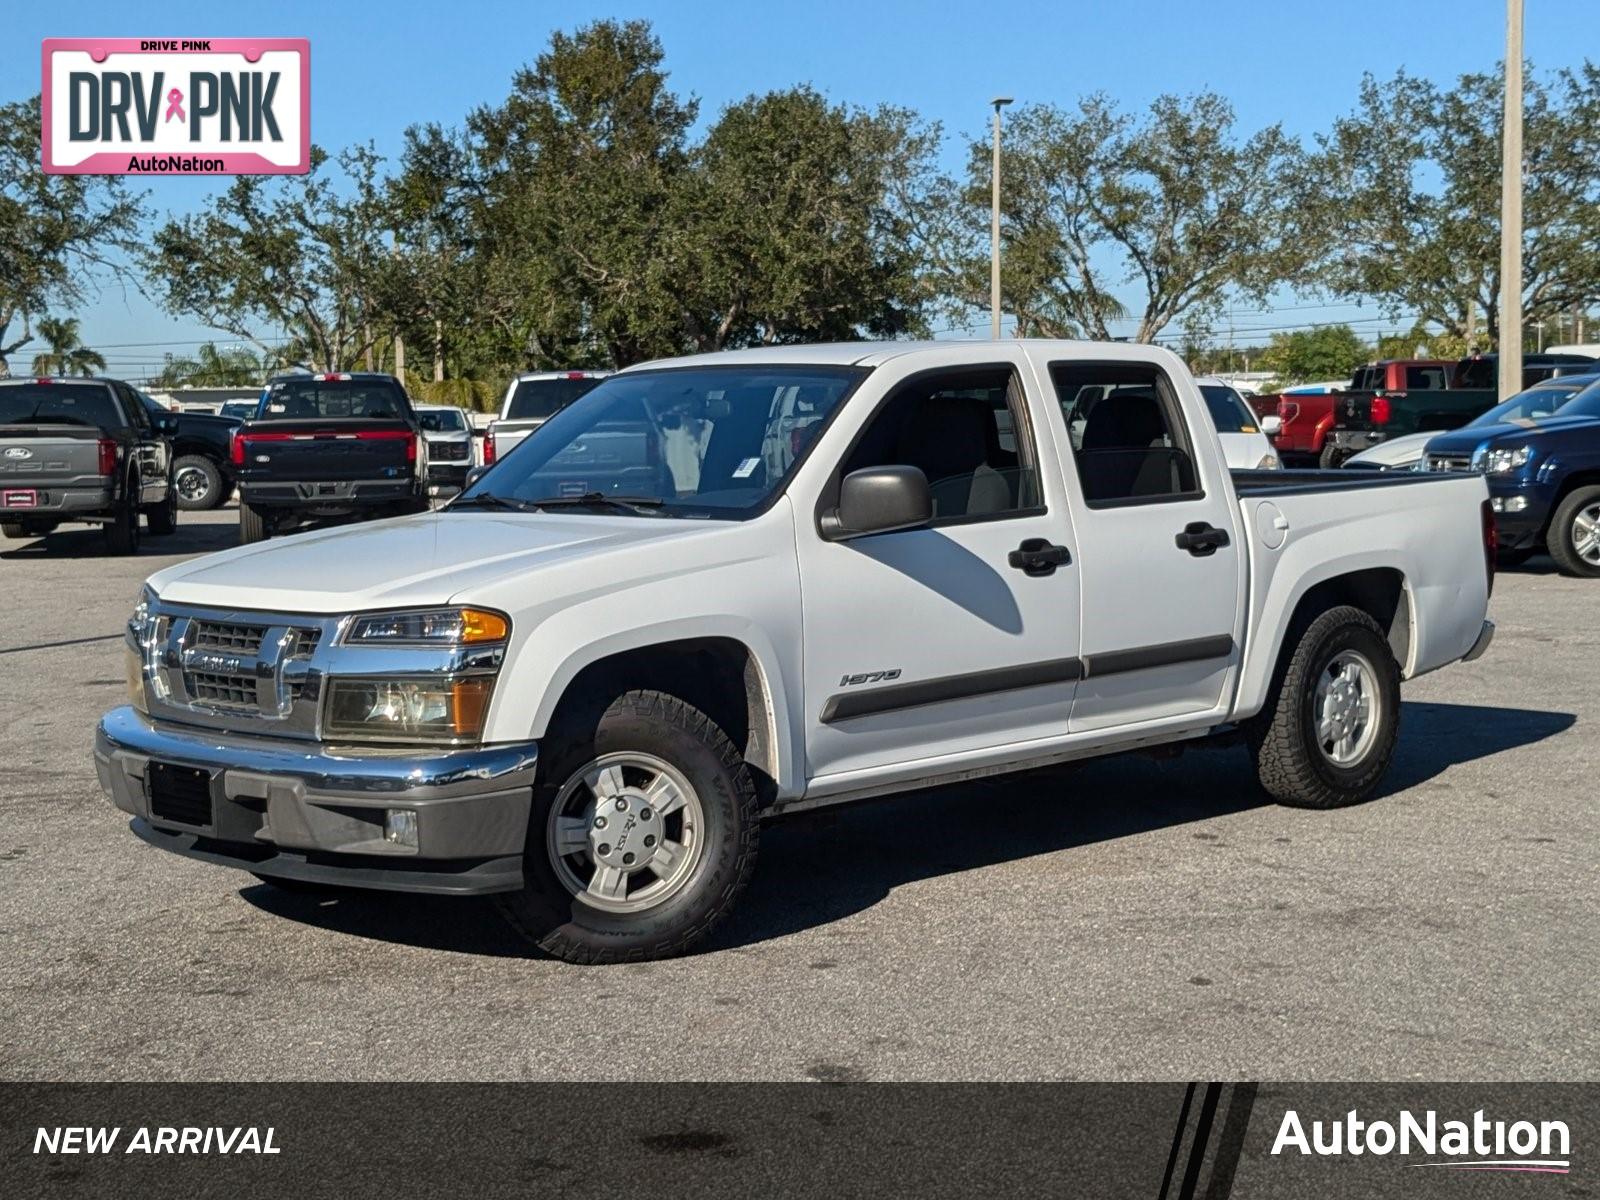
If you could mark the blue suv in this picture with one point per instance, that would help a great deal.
(1540, 452)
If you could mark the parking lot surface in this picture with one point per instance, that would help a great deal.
(1130, 918)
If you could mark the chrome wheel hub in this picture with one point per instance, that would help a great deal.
(625, 832)
(1346, 708)
(192, 483)
(1586, 534)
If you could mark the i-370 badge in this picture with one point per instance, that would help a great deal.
(171, 106)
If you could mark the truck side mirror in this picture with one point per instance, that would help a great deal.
(1272, 425)
(878, 500)
(166, 423)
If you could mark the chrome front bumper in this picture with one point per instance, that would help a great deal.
(314, 812)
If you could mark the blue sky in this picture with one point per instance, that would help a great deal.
(378, 67)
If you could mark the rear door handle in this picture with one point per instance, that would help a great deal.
(1201, 539)
(1037, 557)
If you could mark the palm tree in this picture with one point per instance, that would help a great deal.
(67, 355)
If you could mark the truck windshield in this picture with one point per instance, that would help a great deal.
(538, 399)
(313, 399)
(1578, 396)
(59, 404)
(708, 442)
(446, 420)
(1229, 413)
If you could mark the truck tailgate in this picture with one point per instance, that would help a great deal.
(50, 457)
(327, 450)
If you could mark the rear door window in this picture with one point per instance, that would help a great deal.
(1424, 379)
(1128, 436)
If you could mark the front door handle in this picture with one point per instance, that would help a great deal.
(1201, 539)
(1037, 557)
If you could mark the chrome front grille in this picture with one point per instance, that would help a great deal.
(238, 671)
(1448, 462)
(448, 451)
(226, 637)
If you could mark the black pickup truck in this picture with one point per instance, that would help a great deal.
(329, 446)
(1363, 418)
(201, 444)
(84, 450)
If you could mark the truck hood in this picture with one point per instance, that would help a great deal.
(420, 560)
(1465, 441)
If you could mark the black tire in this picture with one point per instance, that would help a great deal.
(163, 519)
(1562, 540)
(122, 531)
(1331, 456)
(663, 727)
(1291, 761)
(15, 530)
(253, 524)
(203, 481)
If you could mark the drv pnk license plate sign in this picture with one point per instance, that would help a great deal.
(174, 106)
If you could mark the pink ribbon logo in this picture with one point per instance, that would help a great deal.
(175, 105)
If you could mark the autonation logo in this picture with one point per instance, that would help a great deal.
(1476, 1145)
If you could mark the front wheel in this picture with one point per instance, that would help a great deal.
(1574, 536)
(198, 481)
(641, 837)
(163, 519)
(1328, 731)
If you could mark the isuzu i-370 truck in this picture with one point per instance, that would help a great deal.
(723, 587)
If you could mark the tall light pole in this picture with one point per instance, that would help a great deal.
(1511, 210)
(999, 102)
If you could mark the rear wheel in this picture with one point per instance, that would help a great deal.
(641, 838)
(198, 483)
(1574, 536)
(1328, 731)
(122, 531)
(253, 524)
(1331, 456)
(15, 530)
(163, 518)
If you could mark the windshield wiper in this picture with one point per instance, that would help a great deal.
(490, 500)
(639, 505)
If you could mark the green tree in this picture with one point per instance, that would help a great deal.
(67, 354)
(299, 253)
(57, 232)
(789, 226)
(1330, 352)
(1173, 203)
(576, 175)
(1408, 188)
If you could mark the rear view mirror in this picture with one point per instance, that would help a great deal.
(473, 475)
(166, 423)
(878, 500)
(1272, 425)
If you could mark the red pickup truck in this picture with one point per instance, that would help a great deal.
(1307, 419)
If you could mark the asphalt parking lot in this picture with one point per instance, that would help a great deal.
(1131, 918)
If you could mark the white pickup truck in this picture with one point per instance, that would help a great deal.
(724, 587)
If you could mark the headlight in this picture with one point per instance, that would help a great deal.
(1269, 462)
(143, 617)
(437, 708)
(136, 649)
(1503, 462)
(428, 627)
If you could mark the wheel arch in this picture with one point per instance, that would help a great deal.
(729, 675)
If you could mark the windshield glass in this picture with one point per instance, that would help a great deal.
(1229, 413)
(1571, 397)
(314, 399)
(59, 404)
(717, 441)
(440, 420)
(536, 399)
